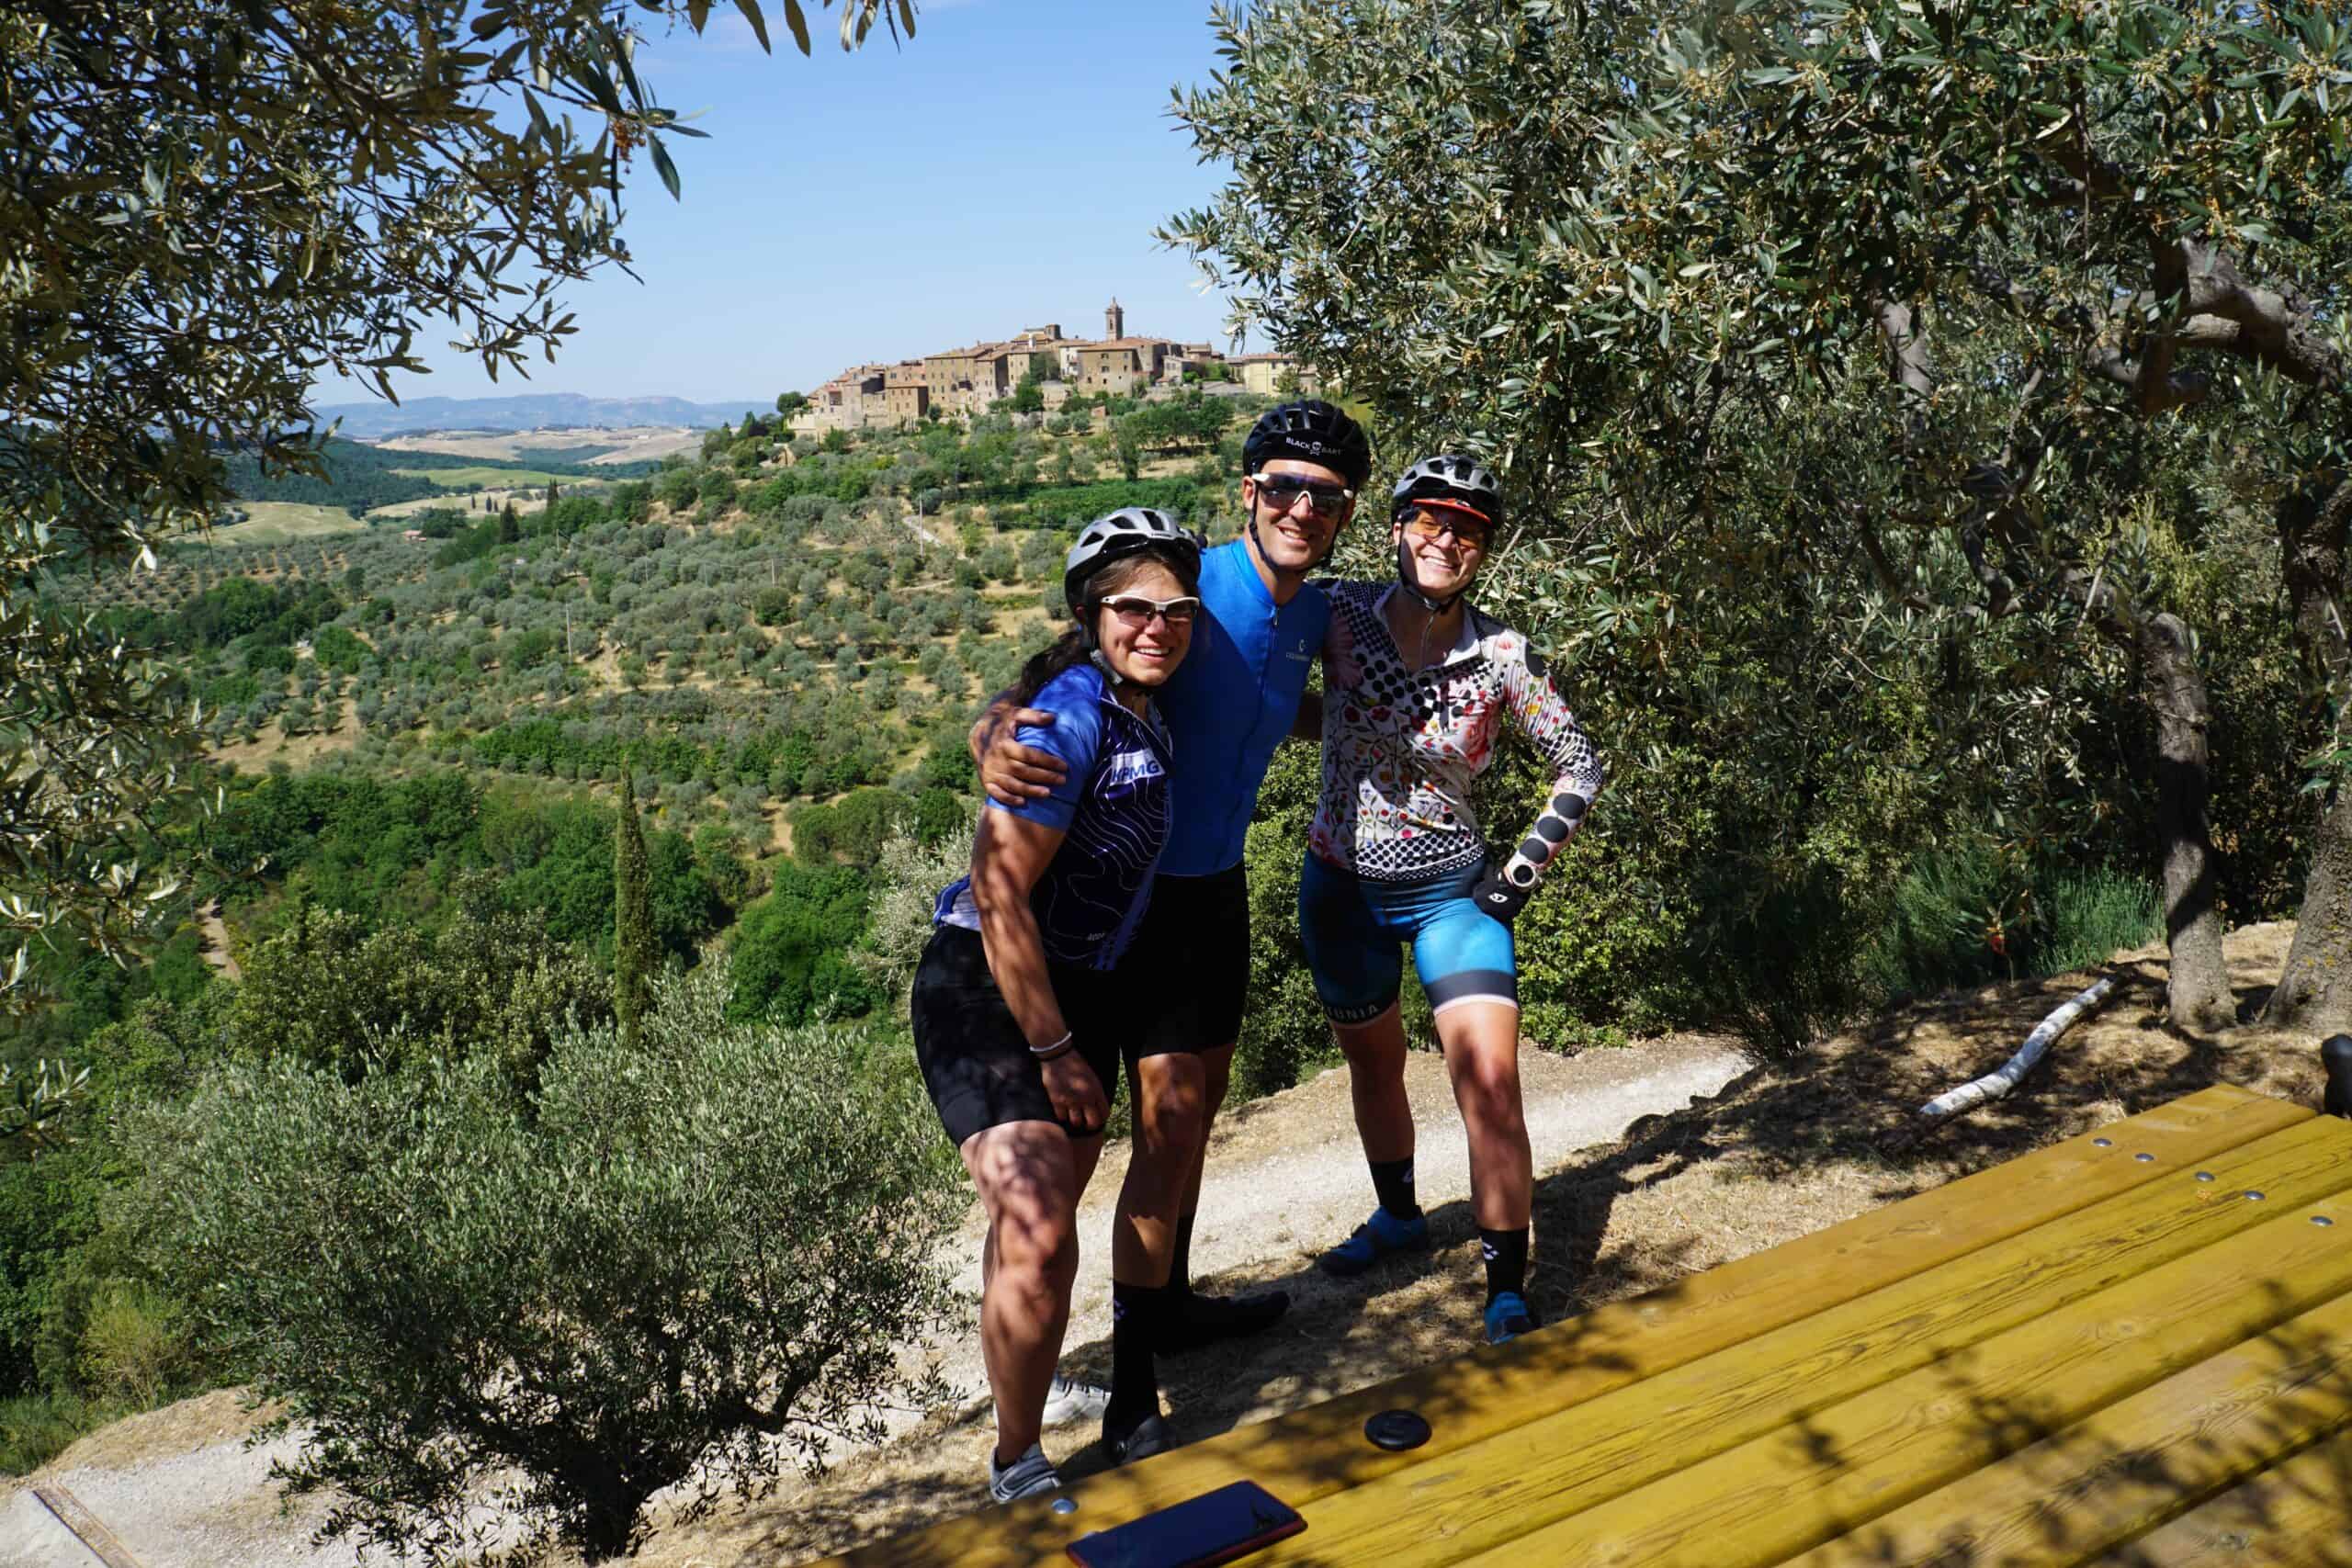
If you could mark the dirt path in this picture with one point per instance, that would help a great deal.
(1286, 1179)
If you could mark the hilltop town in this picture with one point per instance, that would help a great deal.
(959, 382)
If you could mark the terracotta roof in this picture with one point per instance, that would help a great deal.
(1131, 343)
(1259, 358)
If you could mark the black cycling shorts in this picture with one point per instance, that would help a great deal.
(975, 1060)
(1188, 970)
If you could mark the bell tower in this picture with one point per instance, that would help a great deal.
(1115, 321)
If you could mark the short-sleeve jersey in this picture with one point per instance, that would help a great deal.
(1401, 746)
(1231, 703)
(1112, 808)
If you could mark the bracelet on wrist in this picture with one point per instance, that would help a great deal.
(1061, 1048)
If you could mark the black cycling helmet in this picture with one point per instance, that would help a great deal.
(1451, 480)
(1311, 431)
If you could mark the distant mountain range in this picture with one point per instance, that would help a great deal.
(530, 410)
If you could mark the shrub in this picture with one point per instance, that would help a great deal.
(667, 1268)
(907, 881)
(790, 951)
(329, 994)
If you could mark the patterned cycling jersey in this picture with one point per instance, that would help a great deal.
(1112, 810)
(1401, 746)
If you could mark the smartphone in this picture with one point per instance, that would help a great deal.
(1215, 1526)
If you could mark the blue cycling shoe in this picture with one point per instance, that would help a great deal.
(1507, 1317)
(1377, 1236)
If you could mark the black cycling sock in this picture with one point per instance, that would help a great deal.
(1506, 1256)
(1135, 1315)
(1393, 1179)
(1180, 1266)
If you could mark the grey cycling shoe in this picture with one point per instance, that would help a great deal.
(1030, 1475)
(1075, 1399)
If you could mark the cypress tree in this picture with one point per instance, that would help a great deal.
(510, 526)
(632, 919)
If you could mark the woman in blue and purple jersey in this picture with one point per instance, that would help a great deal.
(1021, 1005)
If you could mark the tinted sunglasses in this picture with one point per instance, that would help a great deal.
(1135, 610)
(1282, 491)
(1470, 531)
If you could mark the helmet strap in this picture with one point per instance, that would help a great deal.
(1084, 611)
(1410, 581)
(1110, 676)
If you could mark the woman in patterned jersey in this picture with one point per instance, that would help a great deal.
(1418, 686)
(1020, 1006)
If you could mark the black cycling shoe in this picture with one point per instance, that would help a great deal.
(1147, 1436)
(1211, 1320)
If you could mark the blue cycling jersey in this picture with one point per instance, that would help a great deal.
(1112, 808)
(1230, 703)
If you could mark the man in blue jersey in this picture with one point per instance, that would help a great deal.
(1226, 707)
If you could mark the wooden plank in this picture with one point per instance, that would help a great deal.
(86, 1527)
(1319, 1451)
(1479, 1496)
(2298, 1512)
(2107, 1478)
(1823, 1475)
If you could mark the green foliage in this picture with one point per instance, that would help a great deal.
(328, 190)
(331, 995)
(853, 830)
(1969, 914)
(37, 1427)
(446, 1283)
(790, 951)
(337, 649)
(1775, 422)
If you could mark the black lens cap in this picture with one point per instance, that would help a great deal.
(1396, 1429)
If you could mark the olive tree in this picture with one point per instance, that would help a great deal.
(687, 1265)
(204, 209)
(2090, 254)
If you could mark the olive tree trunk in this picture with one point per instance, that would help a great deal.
(2199, 995)
(2314, 991)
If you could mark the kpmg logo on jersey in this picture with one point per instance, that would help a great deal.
(1131, 767)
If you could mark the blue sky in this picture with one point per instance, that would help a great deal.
(1005, 168)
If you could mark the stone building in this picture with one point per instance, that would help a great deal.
(849, 402)
(1260, 372)
(905, 395)
(1197, 356)
(953, 378)
(1122, 365)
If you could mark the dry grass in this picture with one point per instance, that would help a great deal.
(276, 523)
(274, 745)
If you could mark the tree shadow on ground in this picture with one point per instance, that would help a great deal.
(1847, 1107)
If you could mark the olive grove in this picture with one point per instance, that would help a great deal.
(1928, 419)
(203, 208)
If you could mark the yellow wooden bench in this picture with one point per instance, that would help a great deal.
(2134, 1347)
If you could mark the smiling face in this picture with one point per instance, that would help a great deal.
(1295, 538)
(1145, 650)
(1445, 564)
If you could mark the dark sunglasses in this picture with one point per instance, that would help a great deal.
(1135, 610)
(1281, 492)
(1469, 531)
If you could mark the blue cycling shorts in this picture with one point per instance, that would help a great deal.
(1352, 927)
